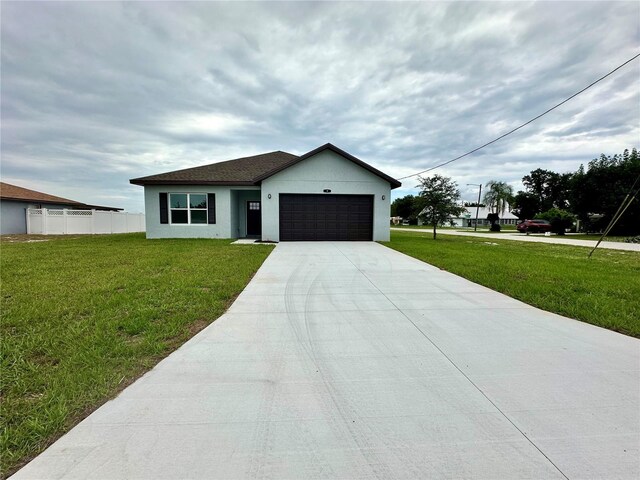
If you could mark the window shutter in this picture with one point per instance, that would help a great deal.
(211, 207)
(164, 210)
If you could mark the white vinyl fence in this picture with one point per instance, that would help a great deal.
(46, 221)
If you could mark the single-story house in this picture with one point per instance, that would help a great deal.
(468, 218)
(15, 200)
(325, 194)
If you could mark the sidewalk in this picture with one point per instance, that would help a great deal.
(630, 247)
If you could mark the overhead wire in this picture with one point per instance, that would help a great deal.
(524, 124)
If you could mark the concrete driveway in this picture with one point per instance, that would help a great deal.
(350, 360)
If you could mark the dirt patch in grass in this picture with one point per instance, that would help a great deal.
(24, 238)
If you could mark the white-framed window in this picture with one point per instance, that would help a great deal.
(188, 208)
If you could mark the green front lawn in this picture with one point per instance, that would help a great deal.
(83, 317)
(602, 290)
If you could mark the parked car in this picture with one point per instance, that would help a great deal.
(533, 226)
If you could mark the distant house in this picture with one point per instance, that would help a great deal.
(468, 218)
(14, 201)
(325, 194)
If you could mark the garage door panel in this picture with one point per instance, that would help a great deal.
(326, 217)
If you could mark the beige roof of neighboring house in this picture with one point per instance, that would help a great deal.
(14, 192)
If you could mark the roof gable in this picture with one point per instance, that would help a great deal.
(328, 146)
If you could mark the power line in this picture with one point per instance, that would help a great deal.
(526, 123)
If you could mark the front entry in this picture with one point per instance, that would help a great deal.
(254, 218)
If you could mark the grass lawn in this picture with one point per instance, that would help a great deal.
(602, 290)
(505, 228)
(83, 317)
(512, 229)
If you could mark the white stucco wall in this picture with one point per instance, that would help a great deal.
(326, 170)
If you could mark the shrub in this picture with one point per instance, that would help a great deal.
(560, 220)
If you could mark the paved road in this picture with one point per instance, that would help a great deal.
(631, 247)
(353, 361)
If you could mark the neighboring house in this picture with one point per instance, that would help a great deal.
(468, 218)
(14, 201)
(325, 194)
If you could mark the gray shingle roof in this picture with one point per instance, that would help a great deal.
(247, 170)
(240, 171)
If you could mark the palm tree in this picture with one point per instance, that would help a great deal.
(498, 196)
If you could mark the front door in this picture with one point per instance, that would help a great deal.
(254, 219)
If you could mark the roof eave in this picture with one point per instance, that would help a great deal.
(143, 182)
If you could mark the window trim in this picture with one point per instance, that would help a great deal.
(188, 208)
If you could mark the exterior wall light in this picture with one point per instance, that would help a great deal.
(383, 197)
(327, 190)
(269, 196)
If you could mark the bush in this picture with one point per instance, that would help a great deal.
(560, 220)
(635, 239)
(495, 227)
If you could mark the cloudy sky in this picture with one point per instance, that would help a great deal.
(94, 94)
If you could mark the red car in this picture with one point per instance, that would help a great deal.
(534, 226)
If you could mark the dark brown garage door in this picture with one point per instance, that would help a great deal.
(326, 217)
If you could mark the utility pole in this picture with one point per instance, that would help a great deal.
(475, 227)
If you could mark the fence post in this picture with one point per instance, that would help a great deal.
(28, 221)
(111, 221)
(64, 221)
(93, 221)
(45, 231)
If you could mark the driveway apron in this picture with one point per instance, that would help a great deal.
(351, 360)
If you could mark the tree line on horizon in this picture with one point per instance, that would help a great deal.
(591, 195)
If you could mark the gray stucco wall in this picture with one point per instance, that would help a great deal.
(13, 215)
(228, 213)
(326, 170)
(243, 198)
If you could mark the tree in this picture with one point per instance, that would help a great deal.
(498, 196)
(598, 191)
(440, 197)
(550, 188)
(405, 207)
(525, 205)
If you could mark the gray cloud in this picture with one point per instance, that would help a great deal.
(96, 93)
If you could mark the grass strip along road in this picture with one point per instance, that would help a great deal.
(81, 318)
